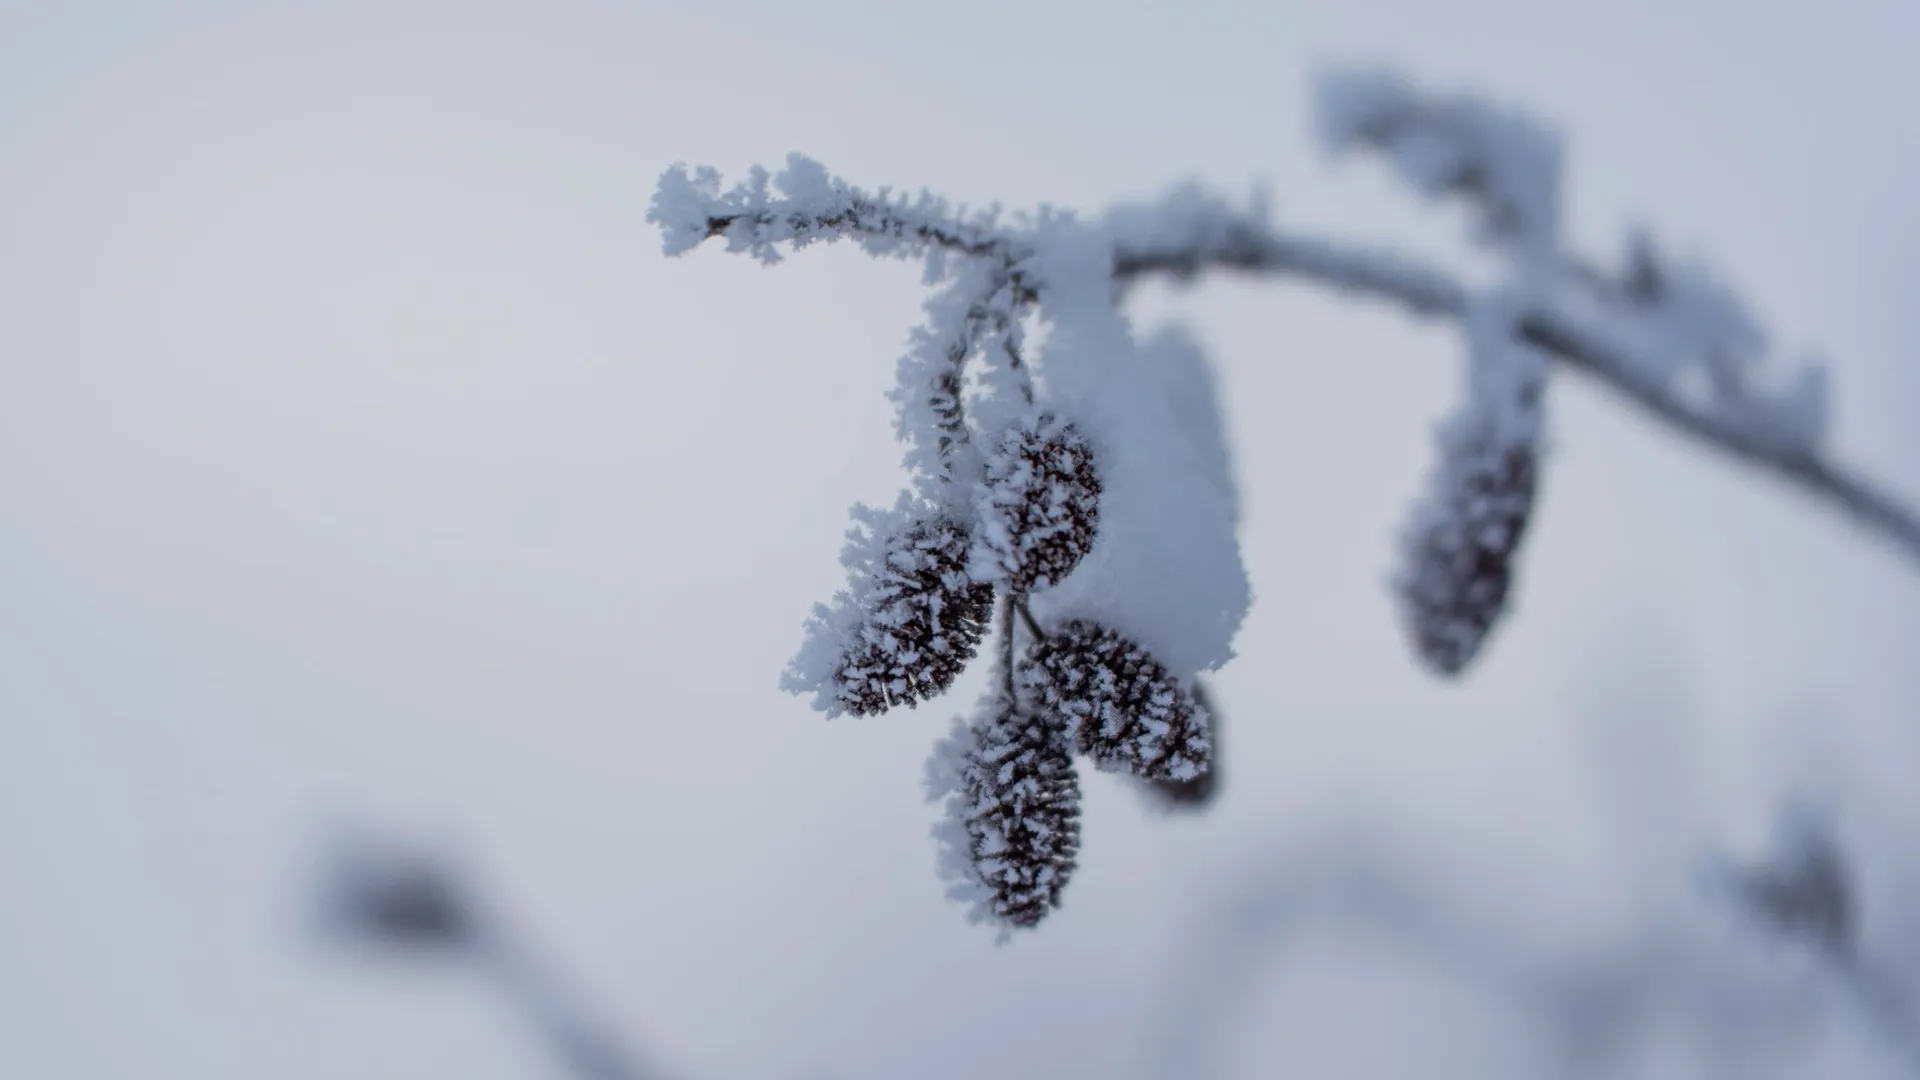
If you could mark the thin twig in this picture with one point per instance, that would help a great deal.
(586, 1049)
(1026, 616)
(1008, 649)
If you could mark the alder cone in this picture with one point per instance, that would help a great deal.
(1039, 504)
(924, 621)
(1128, 712)
(1195, 792)
(1460, 550)
(1019, 803)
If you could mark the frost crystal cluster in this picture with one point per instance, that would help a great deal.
(1083, 488)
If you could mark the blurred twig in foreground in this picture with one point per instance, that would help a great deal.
(383, 896)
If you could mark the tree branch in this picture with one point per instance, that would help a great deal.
(1247, 245)
(1188, 234)
(1872, 507)
(1250, 247)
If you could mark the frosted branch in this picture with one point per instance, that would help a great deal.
(1188, 232)
(802, 205)
(1243, 242)
(978, 305)
(928, 398)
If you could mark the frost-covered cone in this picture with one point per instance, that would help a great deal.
(1012, 829)
(1038, 504)
(1195, 792)
(1129, 713)
(910, 619)
(1460, 547)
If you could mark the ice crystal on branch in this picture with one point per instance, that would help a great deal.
(1012, 801)
(1461, 543)
(803, 204)
(908, 622)
(1038, 505)
(1129, 713)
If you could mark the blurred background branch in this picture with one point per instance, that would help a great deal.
(402, 904)
(1594, 1010)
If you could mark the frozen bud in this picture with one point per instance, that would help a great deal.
(1012, 833)
(1461, 545)
(1129, 714)
(910, 619)
(1038, 504)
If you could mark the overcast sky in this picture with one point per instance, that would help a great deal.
(360, 455)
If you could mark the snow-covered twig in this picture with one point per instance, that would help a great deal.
(802, 204)
(1248, 245)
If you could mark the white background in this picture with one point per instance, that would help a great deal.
(360, 455)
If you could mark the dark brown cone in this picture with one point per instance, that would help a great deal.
(1196, 792)
(1039, 505)
(1460, 553)
(1128, 712)
(924, 621)
(1018, 800)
